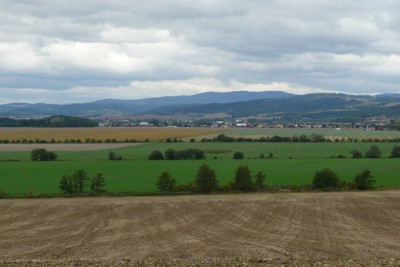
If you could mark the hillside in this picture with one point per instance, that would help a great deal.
(340, 107)
(130, 107)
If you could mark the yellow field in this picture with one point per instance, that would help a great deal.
(140, 134)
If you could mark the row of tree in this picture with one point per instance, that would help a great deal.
(327, 178)
(52, 121)
(206, 181)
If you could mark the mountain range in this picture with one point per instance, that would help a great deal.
(263, 105)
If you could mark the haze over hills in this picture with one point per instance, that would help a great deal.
(130, 107)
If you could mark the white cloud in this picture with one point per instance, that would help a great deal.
(78, 50)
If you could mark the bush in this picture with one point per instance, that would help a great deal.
(373, 152)
(98, 183)
(363, 180)
(238, 155)
(243, 179)
(326, 178)
(41, 154)
(260, 181)
(156, 155)
(165, 182)
(206, 179)
(113, 156)
(356, 153)
(395, 153)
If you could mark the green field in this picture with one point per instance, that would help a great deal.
(293, 163)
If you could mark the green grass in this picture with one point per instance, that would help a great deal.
(137, 174)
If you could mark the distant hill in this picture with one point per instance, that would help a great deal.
(130, 107)
(334, 107)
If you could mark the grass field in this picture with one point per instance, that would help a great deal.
(293, 163)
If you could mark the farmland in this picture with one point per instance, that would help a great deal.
(301, 229)
(120, 133)
(292, 164)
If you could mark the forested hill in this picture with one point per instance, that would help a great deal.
(58, 121)
(312, 106)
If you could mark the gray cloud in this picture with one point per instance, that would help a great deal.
(66, 51)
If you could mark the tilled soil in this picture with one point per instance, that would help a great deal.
(307, 229)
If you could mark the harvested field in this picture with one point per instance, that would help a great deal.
(64, 147)
(119, 133)
(347, 229)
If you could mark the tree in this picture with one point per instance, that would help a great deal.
(356, 153)
(98, 183)
(260, 180)
(170, 154)
(395, 152)
(238, 155)
(79, 179)
(66, 184)
(165, 182)
(156, 155)
(326, 178)
(243, 179)
(364, 180)
(206, 179)
(373, 152)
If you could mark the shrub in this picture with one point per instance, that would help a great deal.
(326, 178)
(156, 155)
(363, 180)
(356, 153)
(243, 179)
(395, 153)
(41, 154)
(113, 156)
(373, 152)
(260, 180)
(206, 179)
(238, 155)
(165, 182)
(98, 183)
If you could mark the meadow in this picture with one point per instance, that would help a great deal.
(292, 164)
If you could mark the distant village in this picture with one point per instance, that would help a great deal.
(367, 125)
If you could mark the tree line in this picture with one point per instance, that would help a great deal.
(78, 181)
(52, 121)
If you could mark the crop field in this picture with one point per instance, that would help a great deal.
(328, 133)
(103, 133)
(291, 164)
(297, 229)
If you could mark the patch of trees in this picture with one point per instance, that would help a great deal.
(172, 154)
(52, 121)
(41, 154)
(78, 181)
(326, 179)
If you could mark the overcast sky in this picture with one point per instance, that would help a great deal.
(59, 51)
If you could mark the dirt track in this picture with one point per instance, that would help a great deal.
(239, 230)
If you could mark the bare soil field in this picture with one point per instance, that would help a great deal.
(102, 133)
(64, 147)
(304, 229)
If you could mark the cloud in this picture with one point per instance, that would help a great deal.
(70, 51)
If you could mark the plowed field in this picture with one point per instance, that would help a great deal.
(217, 230)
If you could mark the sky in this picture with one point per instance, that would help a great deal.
(59, 51)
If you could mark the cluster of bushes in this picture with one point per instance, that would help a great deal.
(206, 181)
(69, 141)
(295, 139)
(77, 182)
(172, 154)
(41, 154)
